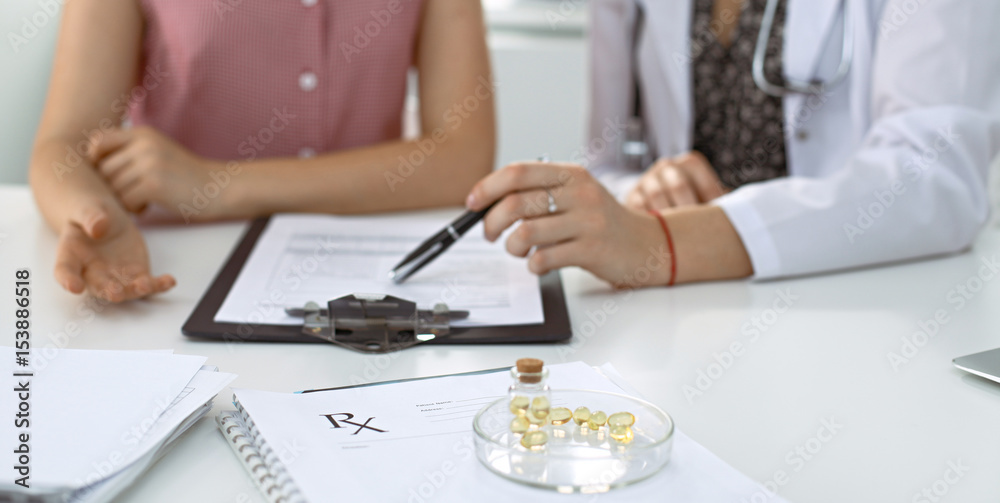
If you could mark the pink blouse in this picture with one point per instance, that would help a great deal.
(241, 79)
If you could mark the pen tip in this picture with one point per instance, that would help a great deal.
(392, 275)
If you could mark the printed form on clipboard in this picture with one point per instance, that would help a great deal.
(302, 258)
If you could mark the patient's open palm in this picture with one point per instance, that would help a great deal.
(111, 263)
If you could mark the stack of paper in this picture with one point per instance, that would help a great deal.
(95, 420)
(412, 442)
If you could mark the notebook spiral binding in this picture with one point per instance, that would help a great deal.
(260, 461)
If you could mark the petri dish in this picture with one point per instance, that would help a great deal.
(576, 459)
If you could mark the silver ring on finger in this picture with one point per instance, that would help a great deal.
(552, 202)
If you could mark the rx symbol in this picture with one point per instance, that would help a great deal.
(347, 420)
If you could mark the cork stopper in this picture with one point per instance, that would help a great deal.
(530, 370)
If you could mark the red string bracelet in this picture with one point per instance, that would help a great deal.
(670, 246)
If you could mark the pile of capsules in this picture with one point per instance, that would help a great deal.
(531, 415)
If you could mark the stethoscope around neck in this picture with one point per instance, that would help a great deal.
(792, 86)
(634, 147)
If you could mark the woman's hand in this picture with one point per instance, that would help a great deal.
(143, 166)
(685, 180)
(588, 228)
(102, 252)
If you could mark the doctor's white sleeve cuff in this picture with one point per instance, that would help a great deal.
(753, 232)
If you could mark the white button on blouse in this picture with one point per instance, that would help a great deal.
(308, 81)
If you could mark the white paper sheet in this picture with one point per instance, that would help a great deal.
(428, 455)
(90, 410)
(301, 258)
(190, 406)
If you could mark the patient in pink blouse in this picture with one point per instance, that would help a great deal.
(236, 108)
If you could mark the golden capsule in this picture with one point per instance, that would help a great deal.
(519, 424)
(540, 407)
(621, 419)
(519, 405)
(597, 419)
(560, 415)
(534, 440)
(535, 420)
(622, 434)
(581, 415)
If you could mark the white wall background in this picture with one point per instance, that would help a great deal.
(541, 98)
(24, 78)
(540, 70)
(539, 52)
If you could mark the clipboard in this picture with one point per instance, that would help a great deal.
(201, 323)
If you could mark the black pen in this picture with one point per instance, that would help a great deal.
(438, 243)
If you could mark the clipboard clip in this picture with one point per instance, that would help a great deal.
(374, 323)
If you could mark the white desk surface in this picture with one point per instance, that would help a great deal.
(825, 357)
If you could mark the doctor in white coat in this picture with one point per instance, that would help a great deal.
(886, 164)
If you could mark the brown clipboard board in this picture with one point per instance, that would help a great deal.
(202, 325)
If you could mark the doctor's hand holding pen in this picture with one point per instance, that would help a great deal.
(567, 218)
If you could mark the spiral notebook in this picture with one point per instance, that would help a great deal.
(411, 441)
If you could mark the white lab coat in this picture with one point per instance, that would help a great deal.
(890, 165)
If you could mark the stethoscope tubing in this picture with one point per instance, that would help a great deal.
(799, 86)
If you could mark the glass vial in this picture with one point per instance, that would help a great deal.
(529, 394)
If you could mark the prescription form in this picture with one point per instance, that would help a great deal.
(412, 441)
